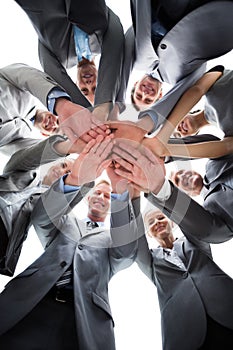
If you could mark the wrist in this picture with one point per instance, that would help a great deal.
(146, 123)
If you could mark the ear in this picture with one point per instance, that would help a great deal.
(160, 93)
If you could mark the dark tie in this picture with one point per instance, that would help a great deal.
(91, 224)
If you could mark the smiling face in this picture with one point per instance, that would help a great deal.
(188, 180)
(86, 79)
(159, 226)
(188, 126)
(146, 92)
(99, 202)
(57, 170)
(46, 122)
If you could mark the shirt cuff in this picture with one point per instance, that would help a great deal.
(67, 188)
(164, 192)
(53, 95)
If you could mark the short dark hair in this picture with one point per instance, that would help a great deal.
(132, 99)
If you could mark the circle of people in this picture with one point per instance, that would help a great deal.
(61, 299)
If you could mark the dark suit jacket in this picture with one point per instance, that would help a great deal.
(53, 22)
(215, 218)
(183, 52)
(186, 294)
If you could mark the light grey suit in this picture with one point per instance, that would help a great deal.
(187, 293)
(95, 256)
(182, 53)
(19, 84)
(20, 189)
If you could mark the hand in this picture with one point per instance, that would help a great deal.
(78, 122)
(91, 162)
(101, 111)
(127, 130)
(142, 168)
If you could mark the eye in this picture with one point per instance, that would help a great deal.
(85, 91)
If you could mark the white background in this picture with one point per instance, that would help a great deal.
(133, 297)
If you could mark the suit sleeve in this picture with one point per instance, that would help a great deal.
(40, 152)
(26, 78)
(110, 66)
(194, 220)
(53, 206)
(124, 233)
(55, 69)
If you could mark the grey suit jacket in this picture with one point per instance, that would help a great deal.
(95, 257)
(218, 105)
(215, 219)
(19, 85)
(20, 189)
(186, 294)
(182, 53)
(53, 22)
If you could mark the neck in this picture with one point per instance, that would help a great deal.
(167, 242)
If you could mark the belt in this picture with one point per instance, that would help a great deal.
(62, 295)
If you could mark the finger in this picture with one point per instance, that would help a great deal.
(122, 162)
(130, 149)
(125, 155)
(89, 146)
(125, 174)
(105, 147)
(93, 134)
(86, 138)
(151, 156)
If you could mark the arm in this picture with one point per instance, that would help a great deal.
(39, 153)
(187, 101)
(55, 203)
(55, 69)
(144, 171)
(26, 78)
(110, 66)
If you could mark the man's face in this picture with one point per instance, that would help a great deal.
(159, 226)
(146, 92)
(188, 180)
(57, 170)
(46, 122)
(186, 127)
(86, 80)
(99, 201)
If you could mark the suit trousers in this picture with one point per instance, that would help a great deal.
(217, 336)
(49, 326)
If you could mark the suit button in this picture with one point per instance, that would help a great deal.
(31, 199)
(80, 246)
(63, 264)
(163, 46)
(185, 275)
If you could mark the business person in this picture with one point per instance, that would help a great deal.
(80, 317)
(186, 44)
(56, 25)
(20, 187)
(212, 223)
(190, 287)
(19, 85)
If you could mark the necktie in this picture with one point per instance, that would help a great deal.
(91, 224)
(81, 41)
